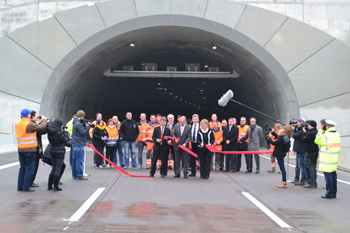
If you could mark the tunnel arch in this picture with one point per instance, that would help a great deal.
(297, 58)
(260, 71)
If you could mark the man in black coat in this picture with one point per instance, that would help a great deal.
(311, 154)
(230, 136)
(298, 147)
(160, 148)
(183, 132)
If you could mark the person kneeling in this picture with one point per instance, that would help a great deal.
(282, 146)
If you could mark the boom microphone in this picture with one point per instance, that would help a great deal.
(225, 98)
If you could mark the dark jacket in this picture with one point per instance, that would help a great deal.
(232, 136)
(129, 131)
(97, 135)
(40, 142)
(79, 133)
(57, 139)
(206, 138)
(185, 138)
(157, 135)
(308, 139)
(298, 144)
(279, 151)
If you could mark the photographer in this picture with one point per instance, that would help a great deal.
(80, 128)
(58, 137)
(298, 147)
(311, 154)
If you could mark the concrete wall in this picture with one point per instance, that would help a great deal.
(330, 16)
(316, 62)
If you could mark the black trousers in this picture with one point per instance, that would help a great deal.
(257, 161)
(56, 166)
(161, 155)
(310, 164)
(331, 183)
(36, 165)
(248, 160)
(110, 153)
(205, 157)
(98, 159)
(297, 170)
(178, 154)
(228, 158)
(194, 159)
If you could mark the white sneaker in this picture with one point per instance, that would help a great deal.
(100, 166)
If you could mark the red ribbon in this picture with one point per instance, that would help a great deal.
(213, 149)
(182, 147)
(113, 164)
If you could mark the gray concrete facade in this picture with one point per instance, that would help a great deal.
(290, 68)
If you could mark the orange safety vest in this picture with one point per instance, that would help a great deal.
(243, 132)
(112, 133)
(218, 139)
(24, 139)
(273, 138)
(142, 131)
(149, 132)
(211, 125)
(92, 128)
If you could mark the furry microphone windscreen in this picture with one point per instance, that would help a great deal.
(225, 98)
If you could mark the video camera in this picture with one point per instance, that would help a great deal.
(85, 121)
(302, 124)
(267, 129)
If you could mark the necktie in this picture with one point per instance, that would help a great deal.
(194, 134)
(230, 129)
(182, 130)
(161, 135)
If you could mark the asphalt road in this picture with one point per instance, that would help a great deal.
(170, 205)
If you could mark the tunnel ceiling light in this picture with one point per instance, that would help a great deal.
(215, 47)
(185, 101)
(203, 97)
(164, 89)
(175, 96)
(132, 44)
(206, 66)
(159, 84)
(171, 93)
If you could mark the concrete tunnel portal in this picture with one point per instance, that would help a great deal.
(84, 85)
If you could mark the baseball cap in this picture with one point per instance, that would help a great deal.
(26, 112)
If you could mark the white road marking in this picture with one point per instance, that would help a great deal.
(268, 212)
(81, 211)
(65, 228)
(320, 174)
(9, 165)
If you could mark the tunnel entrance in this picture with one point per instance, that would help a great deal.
(85, 86)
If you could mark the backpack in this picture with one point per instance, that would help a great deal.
(286, 143)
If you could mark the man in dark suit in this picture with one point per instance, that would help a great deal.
(194, 131)
(161, 148)
(183, 132)
(230, 135)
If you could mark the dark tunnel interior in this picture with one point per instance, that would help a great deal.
(86, 87)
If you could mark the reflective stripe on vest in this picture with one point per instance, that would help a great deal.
(328, 163)
(24, 139)
(243, 132)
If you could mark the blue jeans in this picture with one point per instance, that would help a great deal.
(26, 170)
(78, 162)
(119, 148)
(331, 183)
(129, 147)
(301, 161)
(282, 168)
(71, 156)
(141, 146)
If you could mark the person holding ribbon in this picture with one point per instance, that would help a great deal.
(100, 136)
(182, 132)
(205, 137)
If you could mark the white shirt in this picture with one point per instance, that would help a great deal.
(195, 136)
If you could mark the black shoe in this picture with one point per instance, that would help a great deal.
(151, 175)
(49, 188)
(257, 171)
(234, 170)
(327, 197)
(202, 177)
(221, 169)
(207, 177)
(28, 190)
(162, 176)
(60, 183)
(248, 172)
(186, 176)
(192, 175)
(19, 190)
(56, 189)
(34, 185)
(226, 170)
(177, 176)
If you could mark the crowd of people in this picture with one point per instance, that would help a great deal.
(174, 145)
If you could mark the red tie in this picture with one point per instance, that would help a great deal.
(161, 135)
(182, 130)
